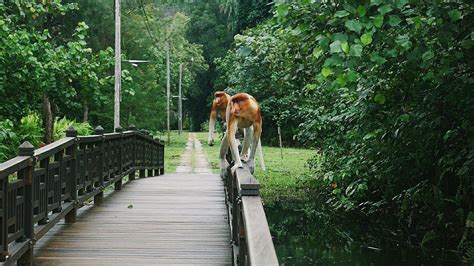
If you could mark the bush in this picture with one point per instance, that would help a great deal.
(8, 140)
(384, 90)
(219, 127)
(30, 129)
(60, 126)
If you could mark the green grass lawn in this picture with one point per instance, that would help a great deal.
(173, 150)
(284, 178)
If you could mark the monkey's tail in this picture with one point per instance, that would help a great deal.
(260, 155)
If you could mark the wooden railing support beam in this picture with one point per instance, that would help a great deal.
(131, 176)
(52, 182)
(26, 149)
(72, 214)
(249, 227)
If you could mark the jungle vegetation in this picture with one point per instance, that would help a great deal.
(382, 90)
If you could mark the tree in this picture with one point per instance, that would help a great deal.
(383, 90)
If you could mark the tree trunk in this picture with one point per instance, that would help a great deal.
(86, 111)
(47, 119)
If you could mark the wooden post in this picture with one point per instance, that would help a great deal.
(281, 145)
(99, 198)
(162, 159)
(131, 176)
(72, 214)
(26, 149)
(118, 184)
(4, 224)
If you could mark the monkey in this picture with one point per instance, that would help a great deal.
(242, 111)
(219, 104)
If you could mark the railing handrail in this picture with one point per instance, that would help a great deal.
(13, 165)
(251, 236)
(55, 180)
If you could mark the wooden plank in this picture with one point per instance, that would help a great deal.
(170, 219)
(260, 246)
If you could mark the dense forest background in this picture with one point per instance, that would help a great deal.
(382, 90)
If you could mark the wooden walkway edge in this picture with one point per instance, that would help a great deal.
(171, 219)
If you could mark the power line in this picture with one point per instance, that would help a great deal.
(147, 21)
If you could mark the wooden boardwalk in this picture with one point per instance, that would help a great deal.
(171, 219)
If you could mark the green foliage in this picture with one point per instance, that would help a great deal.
(60, 126)
(8, 139)
(38, 59)
(144, 103)
(61, 49)
(469, 258)
(11, 135)
(218, 128)
(384, 90)
(30, 129)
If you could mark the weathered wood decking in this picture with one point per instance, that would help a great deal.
(170, 219)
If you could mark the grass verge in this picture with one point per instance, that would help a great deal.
(285, 179)
(173, 150)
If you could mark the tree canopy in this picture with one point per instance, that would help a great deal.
(383, 91)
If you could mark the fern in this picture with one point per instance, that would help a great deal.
(8, 140)
(469, 257)
(60, 126)
(30, 129)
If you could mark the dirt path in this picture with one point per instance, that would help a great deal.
(193, 160)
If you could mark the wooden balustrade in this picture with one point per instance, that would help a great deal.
(252, 242)
(40, 187)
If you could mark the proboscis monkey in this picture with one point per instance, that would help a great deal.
(219, 104)
(243, 111)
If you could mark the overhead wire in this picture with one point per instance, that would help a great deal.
(147, 21)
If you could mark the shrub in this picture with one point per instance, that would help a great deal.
(60, 126)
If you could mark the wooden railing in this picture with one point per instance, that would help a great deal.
(39, 187)
(251, 239)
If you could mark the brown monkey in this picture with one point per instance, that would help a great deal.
(219, 104)
(243, 111)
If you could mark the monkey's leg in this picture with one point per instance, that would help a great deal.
(234, 149)
(256, 138)
(212, 124)
(248, 132)
(223, 151)
(260, 154)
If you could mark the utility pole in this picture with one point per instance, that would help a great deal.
(118, 66)
(168, 90)
(180, 102)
